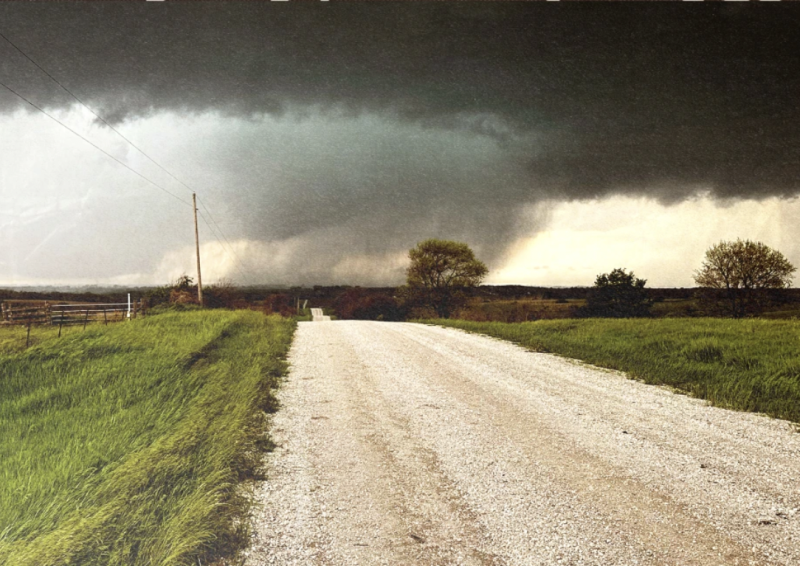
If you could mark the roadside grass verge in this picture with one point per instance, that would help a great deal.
(749, 365)
(129, 444)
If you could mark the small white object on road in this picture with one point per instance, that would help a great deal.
(317, 316)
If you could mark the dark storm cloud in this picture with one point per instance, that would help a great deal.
(377, 188)
(579, 100)
(627, 96)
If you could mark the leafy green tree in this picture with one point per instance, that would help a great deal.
(618, 294)
(440, 272)
(739, 278)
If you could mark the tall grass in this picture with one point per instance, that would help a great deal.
(127, 444)
(750, 365)
(13, 338)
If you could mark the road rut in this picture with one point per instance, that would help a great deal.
(408, 444)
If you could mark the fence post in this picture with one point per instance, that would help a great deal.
(28, 339)
(86, 319)
(60, 322)
(105, 318)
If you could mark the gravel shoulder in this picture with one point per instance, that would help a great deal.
(408, 444)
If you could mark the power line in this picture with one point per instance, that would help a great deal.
(220, 231)
(137, 148)
(95, 114)
(127, 167)
(229, 249)
(62, 124)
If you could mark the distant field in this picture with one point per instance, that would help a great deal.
(750, 365)
(126, 444)
(530, 309)
(519, 310)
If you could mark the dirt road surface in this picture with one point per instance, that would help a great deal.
(407, 444)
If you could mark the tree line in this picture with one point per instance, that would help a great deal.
(736, 279)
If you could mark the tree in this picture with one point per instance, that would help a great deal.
(738, 276)
(618, 294)
(439, 273)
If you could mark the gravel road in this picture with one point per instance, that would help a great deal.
(408, 444)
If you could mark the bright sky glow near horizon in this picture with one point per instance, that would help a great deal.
(323, 156)
(663, 244)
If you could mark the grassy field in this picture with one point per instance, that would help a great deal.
(750, 365)
(12, 338)
(129, 444)
(519, 310)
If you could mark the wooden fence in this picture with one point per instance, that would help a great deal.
(60, 314)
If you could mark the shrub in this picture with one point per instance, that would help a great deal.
(279, 303)
(223, 295)
(618, 294)
(359, 304)
(177, 296)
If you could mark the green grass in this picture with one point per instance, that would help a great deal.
(129, 444)
(749, 365)
(519, 310)
(12, 338)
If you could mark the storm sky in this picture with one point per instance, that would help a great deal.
(324, 140)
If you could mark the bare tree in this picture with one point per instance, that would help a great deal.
(439, 273)
(739, 276)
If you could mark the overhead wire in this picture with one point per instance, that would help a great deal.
(221, 233)
(62, 124)
(95, 114)
(229, 250)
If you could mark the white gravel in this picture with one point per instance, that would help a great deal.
(408, 444)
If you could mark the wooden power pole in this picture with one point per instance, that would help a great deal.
(197, 246)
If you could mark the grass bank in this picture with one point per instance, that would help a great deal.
(749, 365)
(128, 444)
(13, 338)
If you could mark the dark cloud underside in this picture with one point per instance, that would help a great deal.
(628, 96)
(575, 100)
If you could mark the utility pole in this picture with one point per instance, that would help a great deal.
(197, 246)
